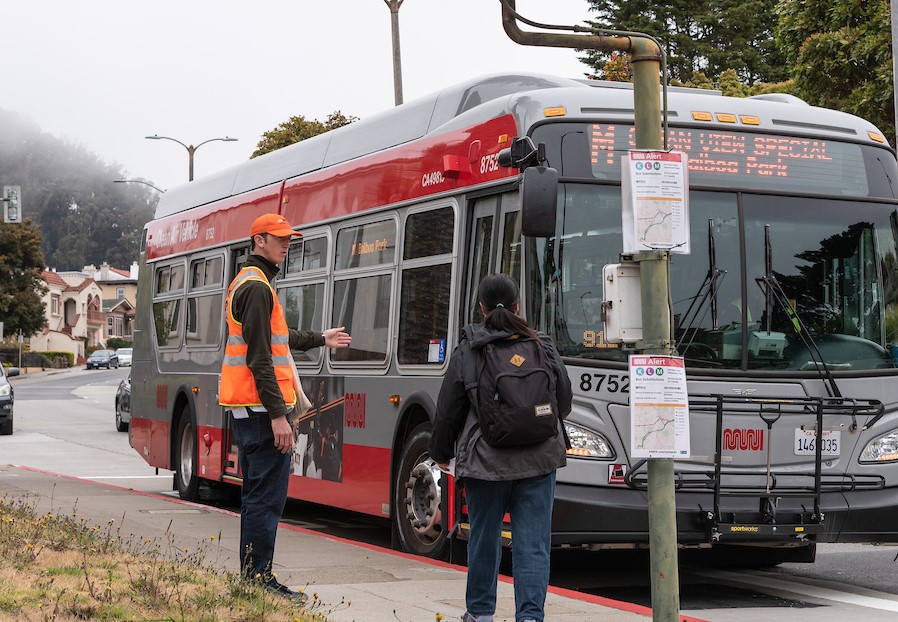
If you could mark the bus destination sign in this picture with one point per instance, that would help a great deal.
(752, 159)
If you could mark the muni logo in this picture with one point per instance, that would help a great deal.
(740, 439)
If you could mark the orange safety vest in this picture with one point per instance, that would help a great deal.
(238, 387)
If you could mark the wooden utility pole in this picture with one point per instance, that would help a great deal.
(397, 60)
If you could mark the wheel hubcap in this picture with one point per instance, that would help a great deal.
(422, 500)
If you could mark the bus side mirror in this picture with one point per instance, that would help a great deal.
(539, 200)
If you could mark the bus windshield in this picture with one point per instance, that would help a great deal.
(834, 259)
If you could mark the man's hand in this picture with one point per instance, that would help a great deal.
(337, 338)
(283, 434)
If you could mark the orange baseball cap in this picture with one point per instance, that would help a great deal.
(273, 224)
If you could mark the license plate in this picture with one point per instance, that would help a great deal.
(806, 442)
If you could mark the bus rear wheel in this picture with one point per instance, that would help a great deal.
(186, 480)
(419, 520)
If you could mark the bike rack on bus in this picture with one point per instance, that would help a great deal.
(767, 523)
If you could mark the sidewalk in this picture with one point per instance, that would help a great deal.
(381, 585)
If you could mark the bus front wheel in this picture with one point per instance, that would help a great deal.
(419, 520)
(186, 480)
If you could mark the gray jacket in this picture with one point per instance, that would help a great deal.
(456, 430)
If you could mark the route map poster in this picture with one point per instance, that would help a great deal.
(659, 407)
(655, 201)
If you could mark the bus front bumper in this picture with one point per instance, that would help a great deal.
(588, 516)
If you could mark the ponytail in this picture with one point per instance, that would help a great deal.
(498, 293)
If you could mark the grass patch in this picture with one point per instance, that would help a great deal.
(59, 568)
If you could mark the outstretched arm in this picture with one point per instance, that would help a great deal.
(331, 338)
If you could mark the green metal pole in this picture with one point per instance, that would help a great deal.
(654, 272)
(645, 55)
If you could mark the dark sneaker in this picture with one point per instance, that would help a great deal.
(470, 617)
(279, 589)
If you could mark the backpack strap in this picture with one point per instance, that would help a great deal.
(470, 371)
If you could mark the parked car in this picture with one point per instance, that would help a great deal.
(123, 405)
(102, 358)
(124, 356)
(6, 399)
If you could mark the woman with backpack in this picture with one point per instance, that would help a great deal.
(504, 429)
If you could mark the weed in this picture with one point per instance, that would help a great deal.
(60, 568)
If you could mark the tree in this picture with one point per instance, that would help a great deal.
(83, 217)
(299, 128)
(740, 37)
(841, 56)
(698, 35)
(21, 286)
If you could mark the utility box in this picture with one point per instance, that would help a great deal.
(622, 305)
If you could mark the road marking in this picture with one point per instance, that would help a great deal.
(804, 589)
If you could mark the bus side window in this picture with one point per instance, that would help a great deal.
(362, 305)
(304, 308)
(169, 280)
(205, 302)
(426, 289)
(362, 299)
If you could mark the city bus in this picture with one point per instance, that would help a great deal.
(403, 213)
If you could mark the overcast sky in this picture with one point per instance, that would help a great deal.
(107, 73)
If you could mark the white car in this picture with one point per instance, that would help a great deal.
(124, 356)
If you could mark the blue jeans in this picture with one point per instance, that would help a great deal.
(266, 472)
(529, 503)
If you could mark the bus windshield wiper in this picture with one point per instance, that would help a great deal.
(773, 291)
(706, 291)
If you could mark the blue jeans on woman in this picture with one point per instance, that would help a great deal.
(529, 504)
(266, 472)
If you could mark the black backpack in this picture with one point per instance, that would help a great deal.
(515, 397)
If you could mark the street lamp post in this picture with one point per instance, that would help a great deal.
(397, 61)
(190, 148)
(137, 181)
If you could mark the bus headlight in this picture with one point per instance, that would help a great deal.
(882, 449)
(586, 443)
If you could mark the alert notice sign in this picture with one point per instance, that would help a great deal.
(659, 407)
(655, 201)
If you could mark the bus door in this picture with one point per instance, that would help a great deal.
(495, 244)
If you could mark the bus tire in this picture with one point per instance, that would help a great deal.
(419, 522)
(186, 480)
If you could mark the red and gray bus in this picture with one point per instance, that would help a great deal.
(403, 213)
